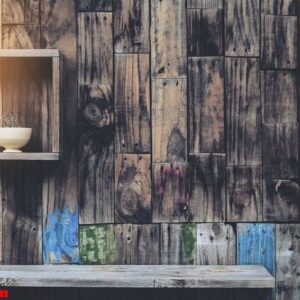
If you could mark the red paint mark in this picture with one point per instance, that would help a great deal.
(3, 293)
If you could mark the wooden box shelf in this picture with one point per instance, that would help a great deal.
(30, 94)
(136, 276)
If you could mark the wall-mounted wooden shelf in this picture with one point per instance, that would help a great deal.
(133, 276)
(30, 96)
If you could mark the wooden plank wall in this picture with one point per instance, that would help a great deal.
(180, 138)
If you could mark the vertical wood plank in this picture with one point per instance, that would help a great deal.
(242, 28)
(280, 151)
(204, 4)
(32, 12)
(281, 200)
(96, 154)
(256, 245)
(168, 23)
(279, 7)
(21, 36)
(169, 120)
(207, 183)
(205, 32)
(60, 181)
(279, 42)
(133, 188)
(243, 111)
(244, 194)
(95, 47)
(288, 260)
(94, 5)
(279, 96)
(170, 192)
(132, 103)
(206, 104)
(215, 244)
(22, 214)
(178, 244)
(131, 26)
(13, 11)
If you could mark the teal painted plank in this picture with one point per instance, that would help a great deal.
(256, 245)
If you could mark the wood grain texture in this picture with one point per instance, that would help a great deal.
(215, 244)
(256, 245)
(281, 200)
(178, 244)
(32, 11)
(60, 181)
(132, 103)
(168, 22)
(96, 153)
(206, 104)
(280, 151)
(242, 28)
(287, 258)
(21, 36)
(205, 32)
(22, 213)
(243, 111)
(94, 5)
(207, 184)
(169, 120)
(133, 188)
(244, 194)
(279, 42)
(279, 96)
(170, 192)
(279, 7)
(131, 26)
(137, 276)
(204, 4)
(95, 47)
(13, 11)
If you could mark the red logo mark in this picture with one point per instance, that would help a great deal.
(3, 293)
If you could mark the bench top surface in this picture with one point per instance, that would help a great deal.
(136, 276)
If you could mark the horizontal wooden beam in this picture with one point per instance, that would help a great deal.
(134, 276)
(29, 52)
(30, 156)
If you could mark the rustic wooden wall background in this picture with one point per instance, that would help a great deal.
(180, 138)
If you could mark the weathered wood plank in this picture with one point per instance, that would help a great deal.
(60, 181)
(137, 276)
(215, 244)
(206, 104)
(123, 243)
(22, 213)
(170, 192)
(168, 23)
(178, 244)
(207, 184)
(13, 11)
(280, 151)
(169, 120)
(96, 153)
(288, 261)
(244, 194)
(32, 12)
(243, 111)
(279, 42)
(204, 4)
(281, 200)
(94, 5)
(133, 188)
(131, 26)
(279, 96)
(205, 32)
(256, 245)
(95, 47)
(279, 7)
(132, 103)
(21, 36)
(242, 28)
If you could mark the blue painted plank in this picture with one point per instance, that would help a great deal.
(60, 237)
(256, 245)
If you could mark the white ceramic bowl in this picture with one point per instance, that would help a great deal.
(14, 138)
